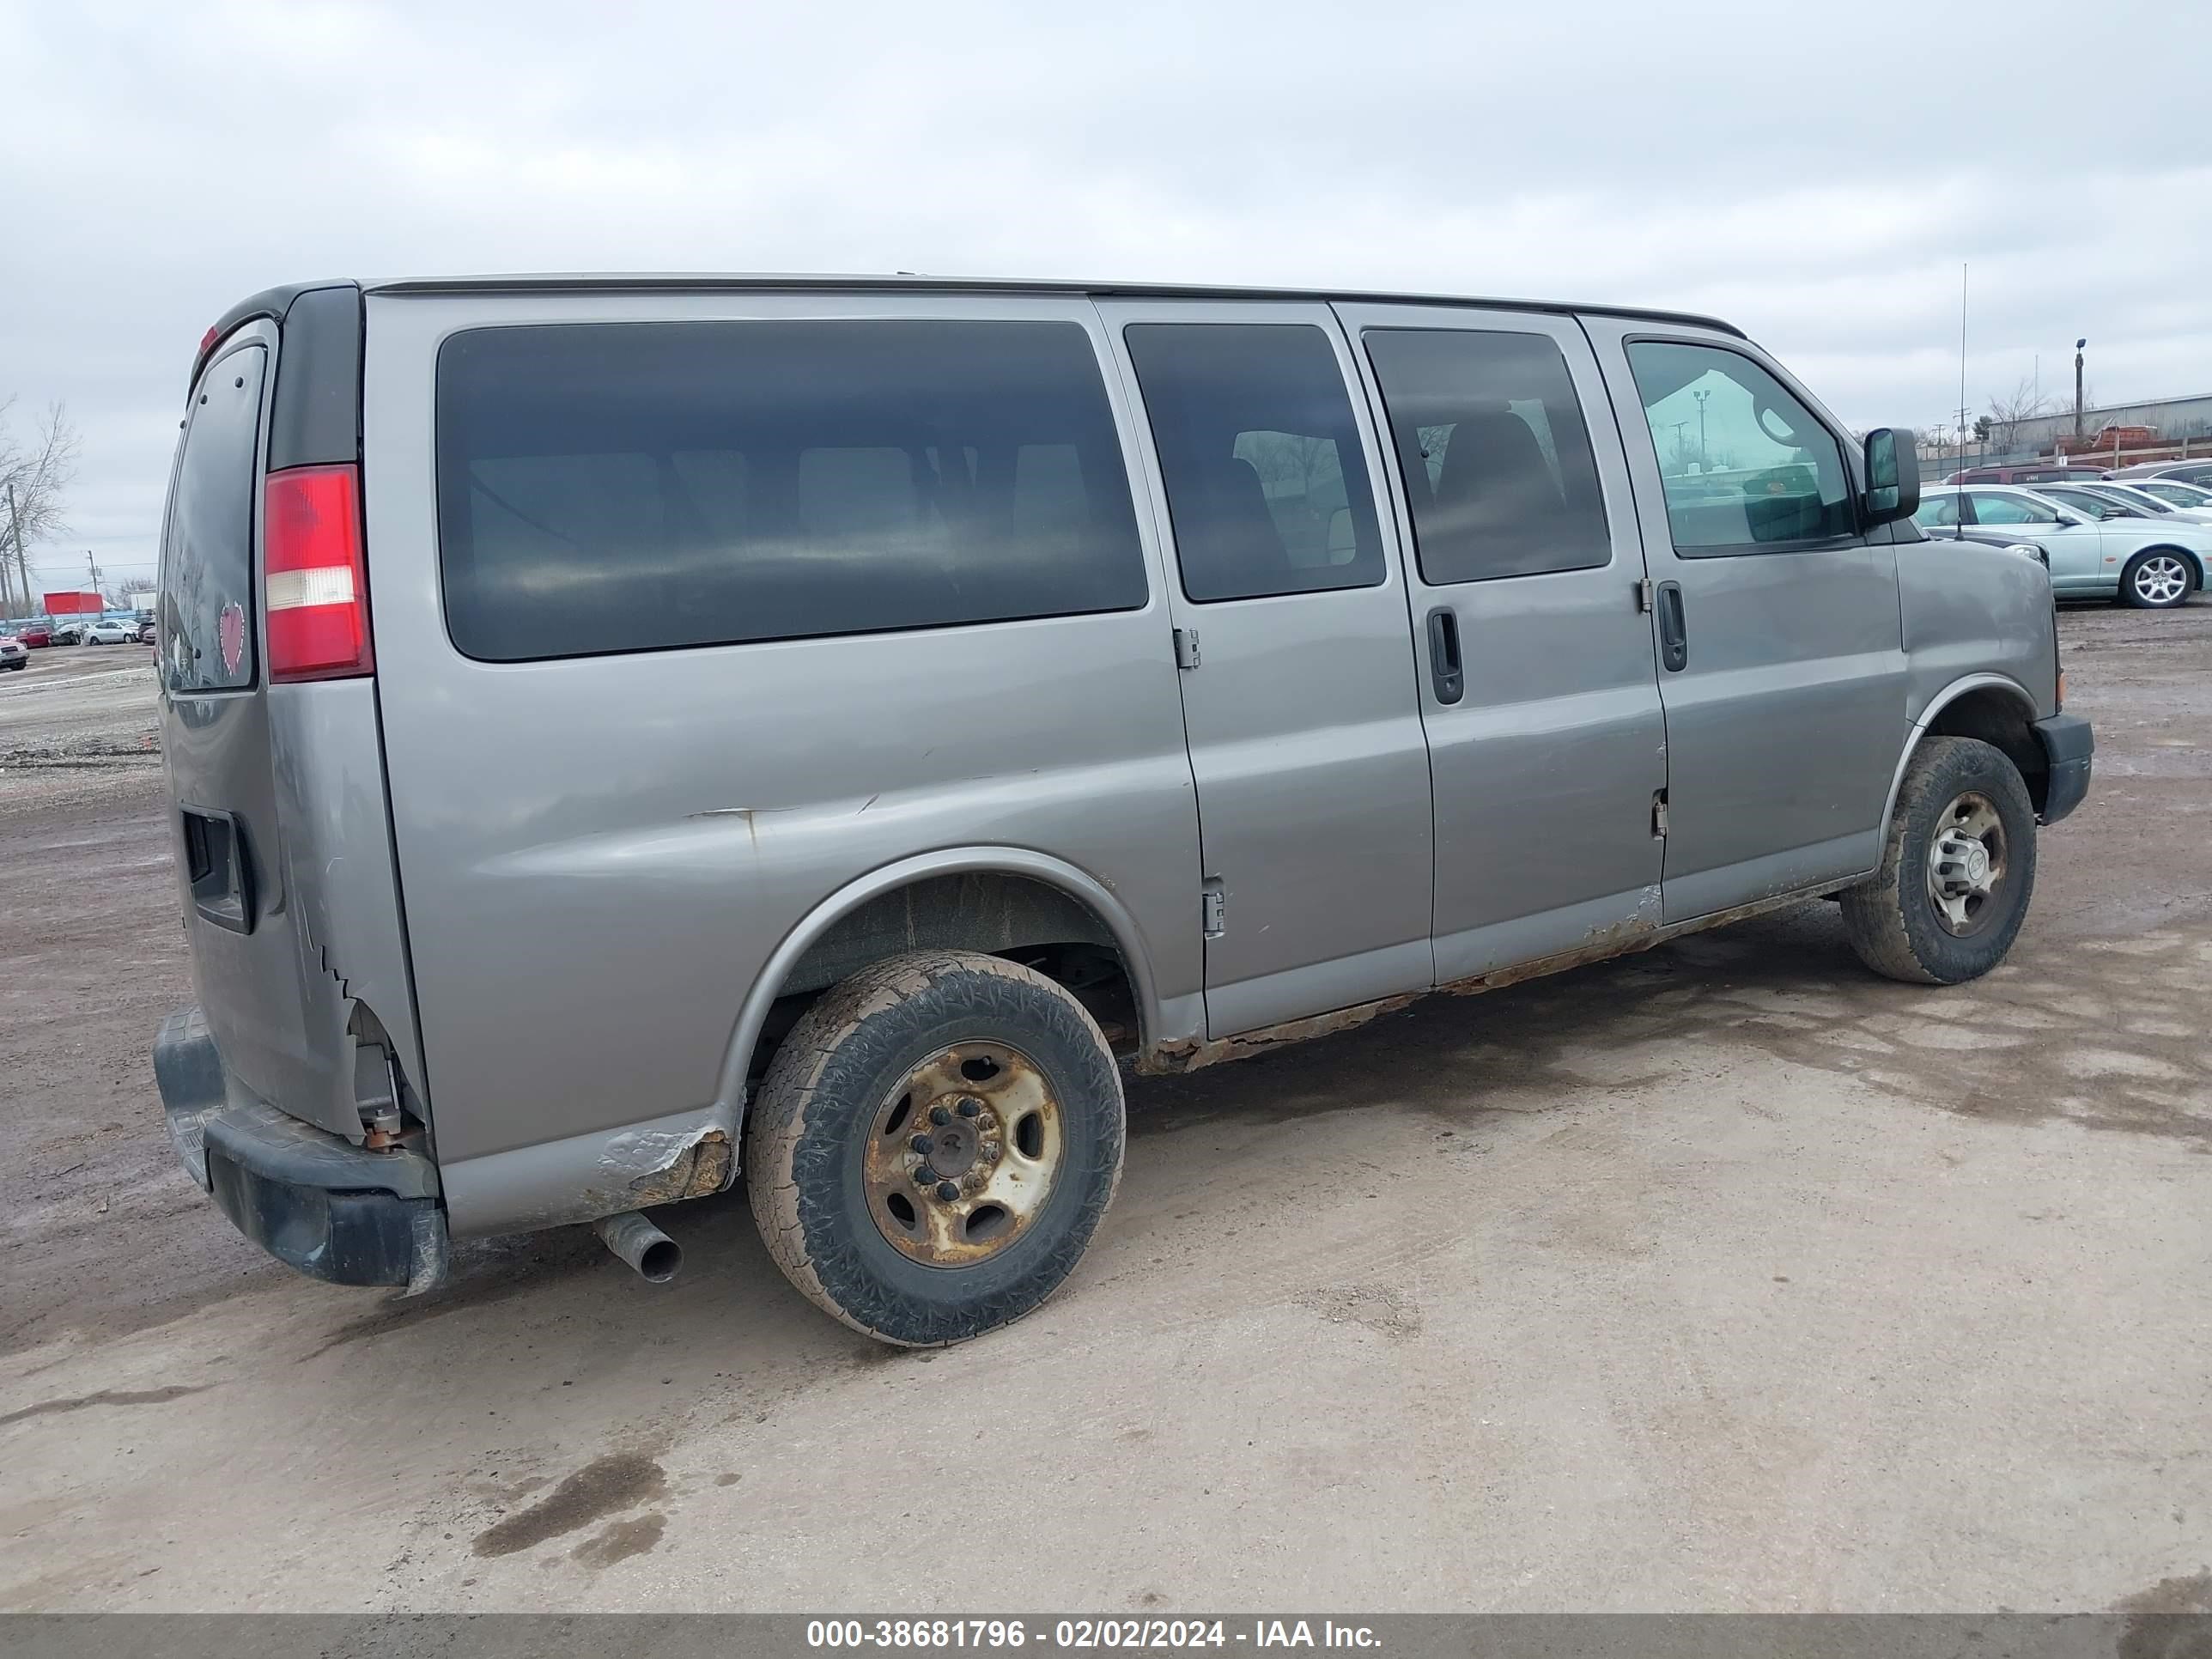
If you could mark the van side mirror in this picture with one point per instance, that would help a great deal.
(1893, 474)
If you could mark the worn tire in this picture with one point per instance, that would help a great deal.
(1890, 918)
(2131, 596)
(816, 1107)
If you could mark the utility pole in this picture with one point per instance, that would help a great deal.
(1704, 460)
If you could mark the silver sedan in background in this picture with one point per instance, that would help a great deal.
(2095, 548)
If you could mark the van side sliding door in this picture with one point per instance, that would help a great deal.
(1538, 688)
(1298, 677)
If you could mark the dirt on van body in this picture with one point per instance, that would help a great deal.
(1721, 1277)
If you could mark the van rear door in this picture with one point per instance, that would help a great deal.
(283, 846)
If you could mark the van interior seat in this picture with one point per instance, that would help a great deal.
(1242, 545)
(1496, 482)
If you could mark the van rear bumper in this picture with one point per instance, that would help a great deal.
(320, 1205)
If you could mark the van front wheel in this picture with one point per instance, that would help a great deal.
(933, 1145)
(1957, 868)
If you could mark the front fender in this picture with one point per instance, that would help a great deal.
(1972, 614)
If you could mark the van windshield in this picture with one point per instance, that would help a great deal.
(206, 632)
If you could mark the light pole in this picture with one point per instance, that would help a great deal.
(1704, 460)
(2078, 345)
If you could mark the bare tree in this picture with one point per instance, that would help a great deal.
(35, 474)
(2025, 403)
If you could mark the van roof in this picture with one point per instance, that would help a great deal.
(273, 301)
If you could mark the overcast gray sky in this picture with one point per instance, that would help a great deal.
(1816, 174)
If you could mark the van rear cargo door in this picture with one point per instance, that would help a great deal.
(277, 1017)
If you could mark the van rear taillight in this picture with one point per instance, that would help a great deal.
(315, 579)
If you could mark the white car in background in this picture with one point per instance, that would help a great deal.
(2104, 500)
(2196, 471)
(2094, 551)
(108, 630)
(2141, 502)
(2172, 491)
(2133, 501)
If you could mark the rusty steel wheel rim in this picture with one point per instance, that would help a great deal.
(1966, 864)
(963, 1154)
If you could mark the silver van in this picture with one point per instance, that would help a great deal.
(625, 732)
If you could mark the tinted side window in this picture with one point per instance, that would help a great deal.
(1745, 465)
(1267, 489)
(1994, 507)
(2129, 504)
(1497, 460)
(627, 486)
(206, 555)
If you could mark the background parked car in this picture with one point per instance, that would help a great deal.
(109, 630)
(2172, 491)
(2096, 549)
(35, 632)
(2102, 501)
(2148, 504)
(2198, 472)
(2043, 472)
(69, 630)
(13, 653)
(146, 633)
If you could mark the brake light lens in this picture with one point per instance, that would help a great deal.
(314, 577)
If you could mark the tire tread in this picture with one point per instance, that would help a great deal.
(839, 1027)
(1884, 923)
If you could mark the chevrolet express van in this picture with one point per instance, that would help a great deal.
(628, 733)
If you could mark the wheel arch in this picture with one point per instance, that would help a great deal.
(1118, 930)
(1994, 708)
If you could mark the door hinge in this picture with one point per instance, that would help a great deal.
(1214, 908)
(1659, 813)
(1186, 647)
(1647, 594)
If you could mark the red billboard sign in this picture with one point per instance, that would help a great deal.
(74, 605)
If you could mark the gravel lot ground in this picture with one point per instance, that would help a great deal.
(1723, 1277)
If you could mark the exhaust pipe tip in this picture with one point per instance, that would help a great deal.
(652, 1253)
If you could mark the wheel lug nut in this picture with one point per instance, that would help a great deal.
(922, 1178)
(922, 1143)
(947, 1191)
(940, 1117)
(970, 1107)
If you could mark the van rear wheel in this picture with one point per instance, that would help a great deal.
(933, 1145)
(1957, 868)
